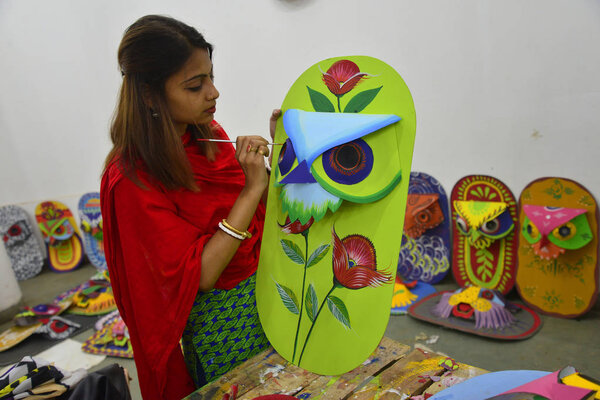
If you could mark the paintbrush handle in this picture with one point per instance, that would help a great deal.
(232, 141)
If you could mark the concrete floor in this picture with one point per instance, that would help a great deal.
(560, 342)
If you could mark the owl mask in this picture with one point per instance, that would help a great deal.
(558, 260)
(483, 230)
(335, 210)
(26, 255)
(91, 224)
(425, 251)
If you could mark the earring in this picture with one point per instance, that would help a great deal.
(154, 114)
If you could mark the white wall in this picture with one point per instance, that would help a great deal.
(509, 88)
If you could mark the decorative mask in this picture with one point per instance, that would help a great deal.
(91, 224)
(425, 251)
(61, 235)
(483, 229)
(23, 249)
(477, 310)
(330, 244)
(558, 260)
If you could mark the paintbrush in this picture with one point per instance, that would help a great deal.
(232, 141)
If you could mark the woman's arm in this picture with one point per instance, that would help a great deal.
(220, 249)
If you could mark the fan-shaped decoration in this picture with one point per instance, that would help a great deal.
(558, 247)
(480, 311)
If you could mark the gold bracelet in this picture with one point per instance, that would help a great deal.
(246, 235)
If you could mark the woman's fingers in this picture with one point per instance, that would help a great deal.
(273, 122)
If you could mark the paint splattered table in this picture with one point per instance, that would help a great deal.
(393, 371)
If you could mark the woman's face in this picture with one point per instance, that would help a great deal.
(190, 93)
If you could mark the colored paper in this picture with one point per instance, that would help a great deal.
(550, 387)
(558, 261)
(488, 385)
(329, 250)
(484, 220)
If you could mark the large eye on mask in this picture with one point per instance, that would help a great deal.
(348, 163)
(287, 155)
(462, 226)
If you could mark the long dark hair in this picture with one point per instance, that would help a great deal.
(152, 49)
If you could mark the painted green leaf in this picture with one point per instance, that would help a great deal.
(311, 301)
(320, 102)
(293, 251)
(288, 297)
(474, 193)
(569, 191)
(361, 100)
(317, 255)
(339, 310)
(493, 196)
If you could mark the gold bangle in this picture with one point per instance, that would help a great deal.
(246, 234)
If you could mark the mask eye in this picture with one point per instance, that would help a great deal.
(565, 231)
(348, 163)
(487, 294)
(491, 227)
(462, 225)
(532, 231)
(287, 155)
(15, 230)
(424, 216)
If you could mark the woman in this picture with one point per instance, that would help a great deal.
(182, 216)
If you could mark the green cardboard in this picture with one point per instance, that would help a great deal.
(327, 322)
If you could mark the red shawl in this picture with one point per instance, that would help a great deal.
(153, 242)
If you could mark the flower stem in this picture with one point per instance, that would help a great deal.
(302, 294)
(313, 324)
(339, 108)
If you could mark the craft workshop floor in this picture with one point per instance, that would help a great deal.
(560, 342)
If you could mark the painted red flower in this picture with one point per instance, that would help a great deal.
(342, 77)
(354, 263)
(295, 227)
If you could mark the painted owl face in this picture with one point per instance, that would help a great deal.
(55, 226)
(16, 234)
(329, 157)
(483, 221)
(423, 212)
(553, 230)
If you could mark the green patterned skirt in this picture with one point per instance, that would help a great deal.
(222, 331)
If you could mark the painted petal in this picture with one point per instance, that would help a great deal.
(342, 70)
(340, 258)
(351, 83)
(359, 277)
(332, 84)
(361, 250)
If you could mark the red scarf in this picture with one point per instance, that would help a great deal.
(153, 242)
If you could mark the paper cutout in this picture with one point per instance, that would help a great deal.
(408, 293)
(558, 270)
(329, 251)
(483, 230)
(488, 385)
(548, 386)
(425, 251)
(483, 312)
(570, 376)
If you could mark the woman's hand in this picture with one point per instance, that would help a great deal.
(272, 125)
(250, 152)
